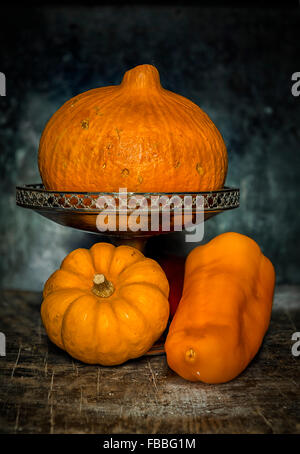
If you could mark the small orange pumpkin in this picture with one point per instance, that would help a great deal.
(224, 312)
(106, 305)
(135, 135)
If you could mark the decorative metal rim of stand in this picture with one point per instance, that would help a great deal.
(35, 196)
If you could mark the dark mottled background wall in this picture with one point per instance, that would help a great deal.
(235, 63)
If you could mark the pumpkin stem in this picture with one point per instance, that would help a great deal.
(190, 355)
(102, 287)
(142, 76)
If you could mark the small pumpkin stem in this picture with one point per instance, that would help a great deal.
(102, 287)
(190, 355)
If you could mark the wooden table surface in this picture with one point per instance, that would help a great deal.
(43, 390)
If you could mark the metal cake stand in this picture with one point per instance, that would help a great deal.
(80, 210)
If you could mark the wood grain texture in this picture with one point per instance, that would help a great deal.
(43, 390)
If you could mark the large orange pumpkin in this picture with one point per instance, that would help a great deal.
(135, 135)
(106, 305)
(224, 312)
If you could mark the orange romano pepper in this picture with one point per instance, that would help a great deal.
(224, 312)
